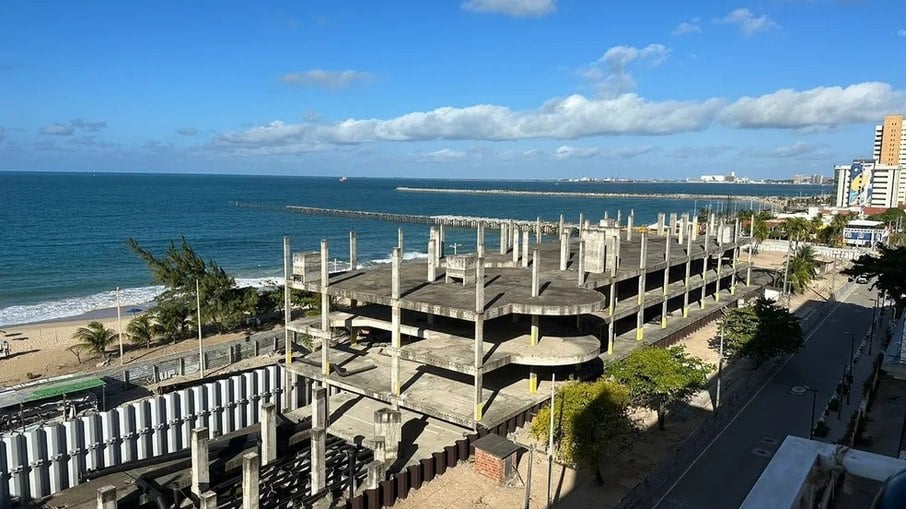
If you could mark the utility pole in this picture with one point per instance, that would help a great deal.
(200, 344)
(119, 324)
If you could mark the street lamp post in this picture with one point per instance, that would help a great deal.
(852, 342)
(720, 359)
(811, 422)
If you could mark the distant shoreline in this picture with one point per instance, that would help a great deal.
(579, 194)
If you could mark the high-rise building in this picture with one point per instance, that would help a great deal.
(865, 183)
(890, 141)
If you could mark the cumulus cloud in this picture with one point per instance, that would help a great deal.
(817, 107)
(444, 155)
(571, 152)
(748, 23)
(901, 32)
(577, 116)
(70, 128)
(187, 131)
(517, 8)
(331, 80)
(610, 73)
(796, 149)
(692, 26)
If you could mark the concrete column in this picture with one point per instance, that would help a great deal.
(666, 282)
(673, 222)
(525, 250)
(478, 347)
(479, 240)
(379, 447)
(442, 236)
(564, 251)
(581, 223)
(207, 500)
(503, 237)
(581, 262)
(684, 225)
(399, 239)
(106, 497)
(560, 227)
(707, 246)
(287, 317)
(353, 261)
(688, 274)
(535, 331)
(395, 319)
(533, 381)
(643, 263)
(250, 498)
(318, 460)
(536, 263)
(432, 255)
(619, 216)
(733, 274)
(319, 408)
(515, 234)
(749, 268)
(268, 433)
(720, 258)
(694, 233)
(605, 217)
(711, 224)
(610, 337)
(200, 464)
(325, 310)
(388, 425)
(538, 230)
(629, 227)
(376, 472)
(752, 227)
(660, 223)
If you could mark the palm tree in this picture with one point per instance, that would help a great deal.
(142, 329)
(803, 269)
(832, 234)
(796, 228)
(172, 321)
(95, 337)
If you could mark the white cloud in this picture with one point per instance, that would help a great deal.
(2, 134)
(688, 27)
(797, 149)
(748, 23)
(610, 73)
(57, 129)
(577, 116)
(86, 125)
(531, 153)
(444, 155)
(901, 32)
(571, 152)
(187, 131)
(69, 128)
(816, 107)
(331, 80)
(517, 8)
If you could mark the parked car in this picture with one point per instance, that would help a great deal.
(862, 280)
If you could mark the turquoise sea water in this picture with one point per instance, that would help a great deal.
(62, 249)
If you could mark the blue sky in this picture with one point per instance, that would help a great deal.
(474, 88)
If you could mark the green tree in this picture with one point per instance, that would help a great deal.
(796, 229)
(658, 377)
(889, 267)
(591, 423)
(172, 320)
(223, 304)
(889, 216)
(761, 330)
(95, 337)
(803, 269)
(832, 234)
(141, 329)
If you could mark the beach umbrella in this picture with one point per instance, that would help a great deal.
(133, 311)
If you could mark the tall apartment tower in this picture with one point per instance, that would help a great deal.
(890, 141)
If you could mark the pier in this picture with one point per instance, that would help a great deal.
(577, 194)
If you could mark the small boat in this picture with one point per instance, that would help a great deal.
(343, 178)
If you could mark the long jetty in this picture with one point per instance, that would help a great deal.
(577, 194)
(446, 220)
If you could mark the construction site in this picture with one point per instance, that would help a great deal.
(407, 369)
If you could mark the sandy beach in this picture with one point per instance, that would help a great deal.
(42, 350)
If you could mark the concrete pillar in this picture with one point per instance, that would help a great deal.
(666, 282)
(535, 331)
(749, 268)
(538, 230)
(605, 217)
(432, 270)
(379, 448)
(478, 347)
(200, 463)
(629, 227)
(395, 319)
(515, 234)
(319, 410)
(619, 216)
(533, 381)
(733, 274)
(207, 500)
(399, 239)
(353, 260)
(752, 227)
(503, 238)
(250, 498)
(525, 244)
(560, 227)
(479, 240)
(711, 225)
(581, 225)
(536, 263)
(681, 235)
(318, 460)
(581, 262)
(660, 223)
(643, 263)
(325, 310)
(688, 275)
(610, 337)
(388, 426)
(376, 472)
(442, 235)
(673, 222)
(694, 233)
(106, 497)
(564, 251)
(287, 317)
(707, 246)
(720, 258)
(268, 433)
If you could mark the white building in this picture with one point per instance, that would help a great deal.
(866, 183)
(862, 232)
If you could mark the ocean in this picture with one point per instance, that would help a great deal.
(62, 235)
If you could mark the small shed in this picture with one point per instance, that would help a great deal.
(495, 458)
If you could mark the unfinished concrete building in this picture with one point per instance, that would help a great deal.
(474, 339)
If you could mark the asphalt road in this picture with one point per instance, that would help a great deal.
(722, 476)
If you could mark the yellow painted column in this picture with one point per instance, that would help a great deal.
(533, 382)
(535, 331)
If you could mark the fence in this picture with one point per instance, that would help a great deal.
(42, 461)
(843, 253)
(665, 473)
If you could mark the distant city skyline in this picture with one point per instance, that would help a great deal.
(510, 89)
